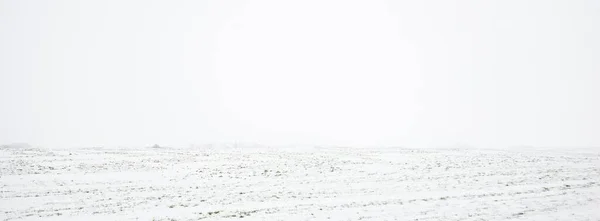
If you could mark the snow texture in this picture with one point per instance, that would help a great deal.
(261, 183)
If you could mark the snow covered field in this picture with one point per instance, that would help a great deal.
(224, 183)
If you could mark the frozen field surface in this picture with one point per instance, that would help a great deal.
(299, 184)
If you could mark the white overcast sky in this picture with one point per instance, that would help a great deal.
(411, 73)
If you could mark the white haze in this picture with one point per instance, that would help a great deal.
(410, 73)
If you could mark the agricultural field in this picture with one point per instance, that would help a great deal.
(312, 183)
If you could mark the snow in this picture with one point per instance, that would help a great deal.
(261, 183)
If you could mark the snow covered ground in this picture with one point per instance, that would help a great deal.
(253, 183)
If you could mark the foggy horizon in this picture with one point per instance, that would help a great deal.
(300, 110)
(345, 73)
